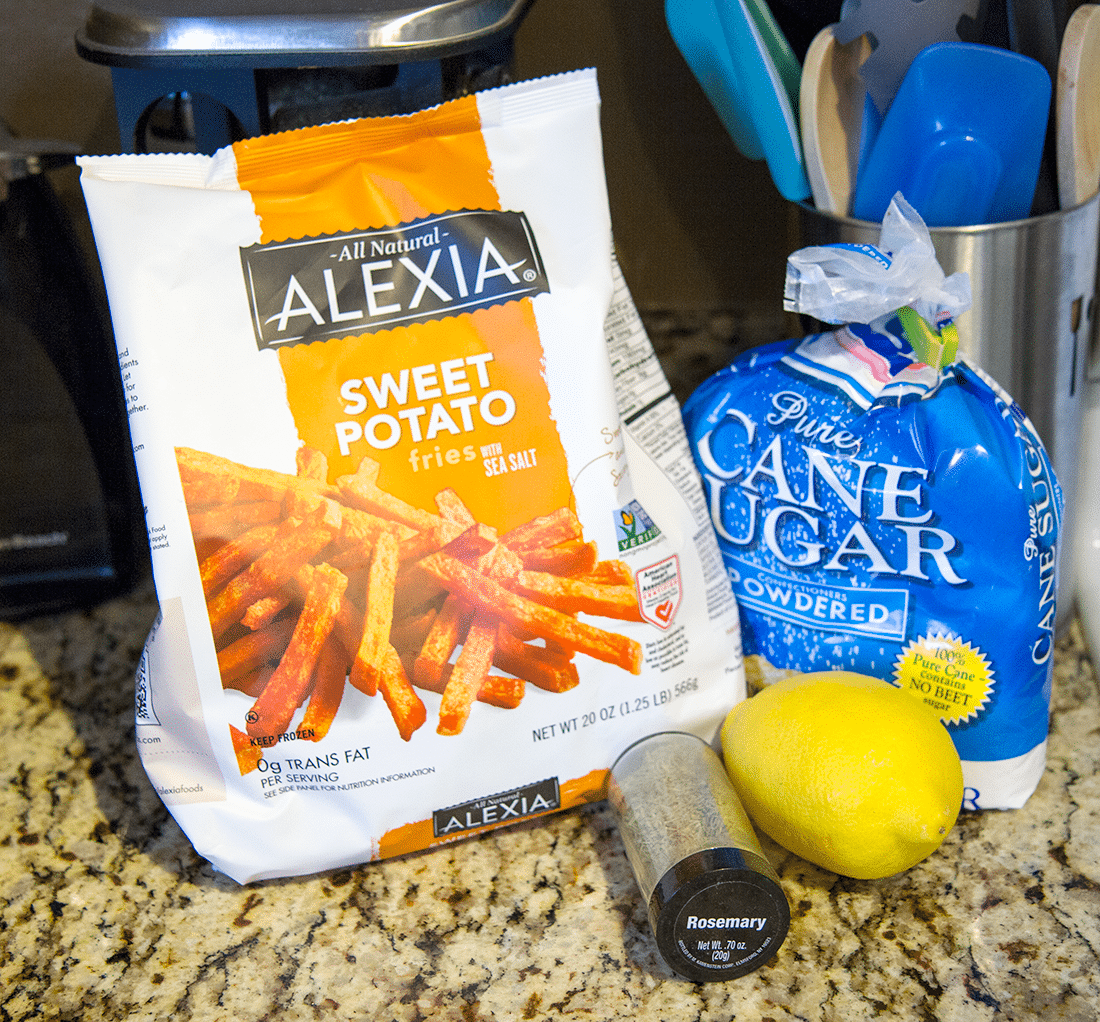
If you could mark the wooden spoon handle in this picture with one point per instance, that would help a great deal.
(1077, 108)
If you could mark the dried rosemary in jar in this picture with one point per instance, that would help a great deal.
(715, 902)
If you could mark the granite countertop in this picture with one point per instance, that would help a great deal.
(107, 913)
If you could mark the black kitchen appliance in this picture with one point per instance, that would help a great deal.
(195, 75)
(71, 528)
(187, 76)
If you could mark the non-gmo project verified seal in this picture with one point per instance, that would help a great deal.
(530, 800)
(633, 526)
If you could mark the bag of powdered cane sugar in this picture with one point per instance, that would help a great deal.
(884, 507)
(426, 562)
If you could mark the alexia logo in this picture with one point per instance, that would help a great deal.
(529, 800)
(362, 281)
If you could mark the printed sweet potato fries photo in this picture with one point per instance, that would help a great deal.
(312, 585)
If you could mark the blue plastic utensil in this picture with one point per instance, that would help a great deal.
(698, 35)
(770, 106)
(871, 126)
(962, 140)
(786, 64)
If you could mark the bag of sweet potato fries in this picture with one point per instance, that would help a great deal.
(427, 540)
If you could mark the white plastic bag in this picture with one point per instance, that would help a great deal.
(385, 347)
(846, 283)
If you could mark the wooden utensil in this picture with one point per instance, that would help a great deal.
(831, 113)
(1077, 108)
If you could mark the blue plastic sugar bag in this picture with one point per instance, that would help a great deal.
(885, 509)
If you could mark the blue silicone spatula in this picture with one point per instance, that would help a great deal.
(698, 35)
(962, 139)
(773, 111)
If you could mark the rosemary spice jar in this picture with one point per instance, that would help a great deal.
(715, 903)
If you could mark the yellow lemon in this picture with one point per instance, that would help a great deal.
(847, 771)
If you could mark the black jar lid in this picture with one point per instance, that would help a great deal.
(718, 914)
